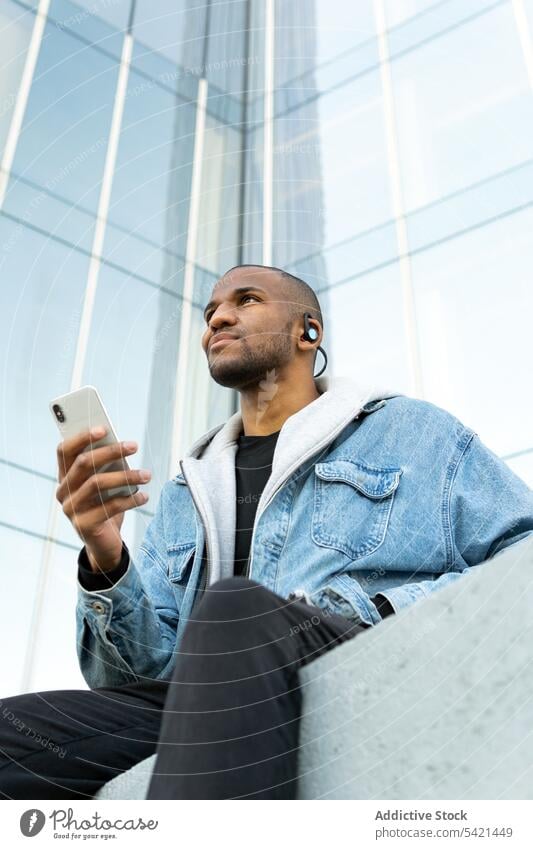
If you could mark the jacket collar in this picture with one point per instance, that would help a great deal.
(338, 395)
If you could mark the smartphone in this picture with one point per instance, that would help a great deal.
(82, 409)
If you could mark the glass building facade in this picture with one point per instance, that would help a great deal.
(382, 150)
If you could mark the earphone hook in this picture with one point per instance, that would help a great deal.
(325, 362)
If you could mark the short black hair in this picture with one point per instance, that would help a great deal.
(301, 297)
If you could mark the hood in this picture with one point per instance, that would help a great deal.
(209, 465)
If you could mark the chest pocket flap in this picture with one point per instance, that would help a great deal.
(372, 482)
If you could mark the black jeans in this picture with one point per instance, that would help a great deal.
(225, 725)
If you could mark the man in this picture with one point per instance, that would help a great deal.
(317, 510)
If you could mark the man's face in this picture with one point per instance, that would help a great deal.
(247, 305)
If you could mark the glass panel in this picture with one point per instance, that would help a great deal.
(86, 22)
(252, 242)
(433, 20)
(22, 554)
(256, 67)
(331, 186)
(528, 6)
(339, 28)
(41, 299)
(26, 499)
(345, 150)
(460, 115)
(54, 661)
(218, 230)
(150, 200)
(367, 340)
(226, 49)
(139, 257)
(16, 26)
(111, 11)
(468, 208)
(49, 212)
(473, 305)
(203, 39)
(174, 28)
(397, 11)
(355, 257)
(63, 141)
(318, 45)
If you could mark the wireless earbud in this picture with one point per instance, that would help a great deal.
(311, 334)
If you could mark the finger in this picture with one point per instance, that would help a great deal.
(87, 463)
(90, 493)
(68, 450)
(92, 519)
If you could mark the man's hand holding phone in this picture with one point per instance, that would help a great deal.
(81, 487)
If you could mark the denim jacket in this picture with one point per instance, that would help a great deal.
(370, 492)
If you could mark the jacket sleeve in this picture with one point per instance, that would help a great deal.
(128, 632)
(485, 509)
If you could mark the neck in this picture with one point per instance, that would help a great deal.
(266, 407)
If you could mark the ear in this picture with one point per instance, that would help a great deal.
(306, 344)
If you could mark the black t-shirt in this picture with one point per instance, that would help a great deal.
(253, 465)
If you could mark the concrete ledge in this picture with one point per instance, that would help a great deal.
(435, 703)
(132, 784)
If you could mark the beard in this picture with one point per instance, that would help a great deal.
(241, 366)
